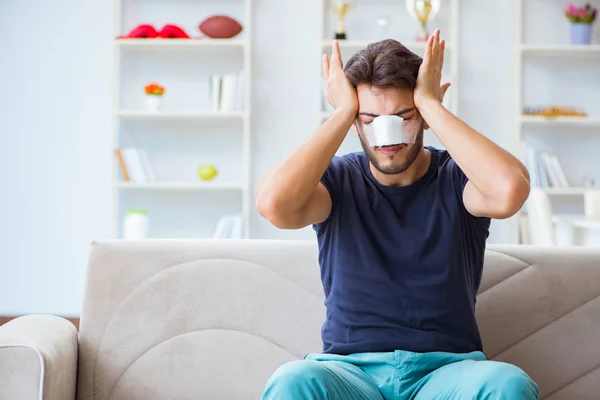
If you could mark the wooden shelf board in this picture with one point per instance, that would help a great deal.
(179, 43)
(560, 50)
(176, 115)
(540, 120)
(359, 44)
(180, 185)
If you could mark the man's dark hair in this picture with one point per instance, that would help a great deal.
(384, 64)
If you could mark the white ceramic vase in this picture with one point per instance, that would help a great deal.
(136, 225)
(153, 102)
(592, 204)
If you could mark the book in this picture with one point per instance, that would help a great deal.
(227, 92)
(553, 178)
(562, 177)
(146, 166)
(135, 165)
(545, 170)
(215, 92)
(122, 165)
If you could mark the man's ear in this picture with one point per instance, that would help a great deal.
(425, 125)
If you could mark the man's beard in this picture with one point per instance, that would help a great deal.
(414, 150)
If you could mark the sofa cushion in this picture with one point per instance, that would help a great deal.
(175, 319)
(215, 318)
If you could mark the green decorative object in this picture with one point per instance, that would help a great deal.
(138, 212)
(207, 172)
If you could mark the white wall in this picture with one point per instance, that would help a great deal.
(54, 109)
(55, 113)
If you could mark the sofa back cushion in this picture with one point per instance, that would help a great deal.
(538, 308)
(213, 319)
(195, 319)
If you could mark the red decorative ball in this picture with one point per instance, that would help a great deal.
(220, 27)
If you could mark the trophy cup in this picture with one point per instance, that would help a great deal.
(423, 11)
(341, 8)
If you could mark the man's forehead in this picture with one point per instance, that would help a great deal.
(388, 101)
(384, 91)
(375, 111)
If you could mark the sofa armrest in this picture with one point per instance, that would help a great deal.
(38, 358)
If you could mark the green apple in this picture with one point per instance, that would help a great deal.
(207, 172)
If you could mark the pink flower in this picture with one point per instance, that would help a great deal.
(572, 9)
(582, 12)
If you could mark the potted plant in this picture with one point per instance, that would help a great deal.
(582, 19)
(154, 93)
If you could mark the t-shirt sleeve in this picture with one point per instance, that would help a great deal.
(332, 180)
(459, 181)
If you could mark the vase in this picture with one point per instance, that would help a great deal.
(591, 204)
(153, 102)
(581, 33)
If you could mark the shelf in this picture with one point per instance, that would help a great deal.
(180, 186)
(560, 50)
(181, 115)
(180, 43)
(560, 121)
(569, 191)
(576, 221)
(169, 133)
(586, 223)
(359, 44)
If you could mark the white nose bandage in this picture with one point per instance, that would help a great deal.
(387, 130)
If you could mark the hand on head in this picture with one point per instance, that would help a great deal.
(340, 93)
(430, 73)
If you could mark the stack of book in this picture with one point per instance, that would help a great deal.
(227, 92)
(544, 168)
(134, 165)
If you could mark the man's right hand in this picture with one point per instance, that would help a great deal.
(340, 93)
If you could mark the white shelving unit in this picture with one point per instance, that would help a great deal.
(180, 186)
(359, 44)
(560, 121)
(181, 115)
(535, 50)
(570, 191)
(167, 44)
(559, 50)
(402, 28)
(186, 132)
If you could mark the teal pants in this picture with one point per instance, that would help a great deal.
(399, 375)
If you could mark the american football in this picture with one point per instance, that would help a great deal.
(220, 27)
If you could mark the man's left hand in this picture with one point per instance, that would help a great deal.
(430, 73)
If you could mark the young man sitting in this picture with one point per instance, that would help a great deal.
(402, 230)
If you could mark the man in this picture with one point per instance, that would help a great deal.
(401, 231)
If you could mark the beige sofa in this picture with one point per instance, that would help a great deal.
(195, 319)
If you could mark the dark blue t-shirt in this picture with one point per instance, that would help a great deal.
(401, 266)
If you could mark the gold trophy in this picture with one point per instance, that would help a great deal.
(423, 11)
(341, 8)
